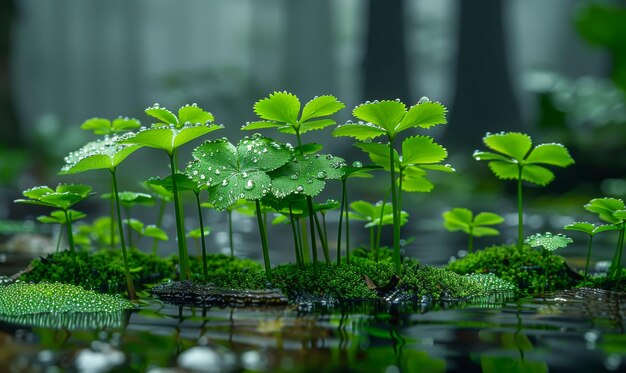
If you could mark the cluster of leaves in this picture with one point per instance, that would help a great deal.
(102, 271)
(462, 219)
(529, 269)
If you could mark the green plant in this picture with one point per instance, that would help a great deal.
(389, 118)
(305, 175)
(462, 219)
(149, 230)
(375, 216)
(232, 173)
(612, 210)
(168, 134)
(516, 159)
(63, 197)
(130, 199)
(549, 243)
(164, 196)
(59, 217)
(104, 154)
(591, 229)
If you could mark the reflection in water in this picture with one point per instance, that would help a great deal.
(531, 335)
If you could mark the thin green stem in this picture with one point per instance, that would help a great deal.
(180, 229)
(159, 223)
(230, 233)
(70, 235)
(266, 252)
(112, 225)
(588, 256)
(372, 242)
(325, 231)
(128, 227)
(132, 295)
(520, 213)
(304, 242)
(380, 221)
(394, 203)
(470, 243)
(616, 265)
(59, 238)
(205, 270)
(301, 243)
(347, 230)
(322, 237)
(309, 204)
(341, 211)
(295, 237)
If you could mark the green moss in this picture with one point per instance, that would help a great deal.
(528, 268)
(606, 283)
(102, 271)
(23, 299)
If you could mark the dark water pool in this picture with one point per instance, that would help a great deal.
(570, 331)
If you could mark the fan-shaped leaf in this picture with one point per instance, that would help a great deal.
(620, 215)
(81, 190)
(438, 167)
(422, 149)
(101, 154)
(552, 154)
(169, 138)
(458, 219)
(183, 182)
(261, 125)
(379, 154)
(313, 125)
(192, 114)
(605, 207)
(423, 115)
(163, 115)
(321, 106)
(504, 170)
(153, 231)
(548, 241)
(37, 192)
(488, 156)
(513, 144)
(485, 231)
(386, 114)
(488, 218)
(280, 107)
(306, 175)
(121, 124)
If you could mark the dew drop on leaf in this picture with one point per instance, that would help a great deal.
(357, 164)
(249, 185)
(321, 175)
(294, 177)
(300, 189)
(224, 182)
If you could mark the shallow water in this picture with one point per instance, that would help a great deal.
(568, 331)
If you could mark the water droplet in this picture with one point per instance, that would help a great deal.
(249, 185)
(217, 171)
(422, 100)
(321, 175)
(244, 174)
(357, 164)
(299, 189)
(224, 182)
(329, 156)
(294, 177)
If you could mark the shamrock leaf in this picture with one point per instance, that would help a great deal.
(233, 173)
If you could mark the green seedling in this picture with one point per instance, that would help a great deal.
(356, 170)
(390, 118)
(59, 217)
(375, 216)
(63, 197)
(591, 229)
(168, 134)
(281, 110)
(612, 211)
(549, 243)
(242, 207)
(184, 183)
(516, 159)
(164, 197)
(108, 128)
(232, 173)
(150, 230)
(461, 219)
(105, 154)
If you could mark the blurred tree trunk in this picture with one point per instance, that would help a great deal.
(484, 99)
(309, 54)
(9, 130)
(385, 71)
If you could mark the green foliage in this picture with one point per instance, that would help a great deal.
(102, 271)
(130, 199)
(606, 208)
(102, 126)
(281, 109)
(306, 174)
(149, 230)
(548, 241)
(462, 219)
(233, 173)
(514, 156)
(58, 217)
(590, 228)
(371, 213)
(298, 208)
(197, 233)
(63, 197)
(22, 299)
(99, 154)
(528, 269)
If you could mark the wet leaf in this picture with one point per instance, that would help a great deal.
(605, 208)
(548, 241)
(321, 106)
(58, 217)
(306, 174)
(101, 154)
(280, 107)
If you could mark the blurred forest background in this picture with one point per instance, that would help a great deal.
(555, 69)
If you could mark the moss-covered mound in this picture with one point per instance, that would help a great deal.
(605, 283)
(102, 271)
(529, 269)
(20, 298)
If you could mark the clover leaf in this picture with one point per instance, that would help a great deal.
(232, 173)
(103, 126)
(281, 109)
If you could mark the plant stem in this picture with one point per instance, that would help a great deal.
(129, 280)
(372, 243)
(615, 271)
(59, 238)
(304, 242)
(588, 256)
(309, 205)
(322, 237)
(180, 229)
(112, 225)
(266, 253)
(470, 244)
(230, 233)
(347, 230)
(380, 223)
(520, 214)
(128, 228)
(159, 222)
(301, 243)
(295, 237)
(70, 236)
(394, 203)
(205, 271)
(341, 210)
